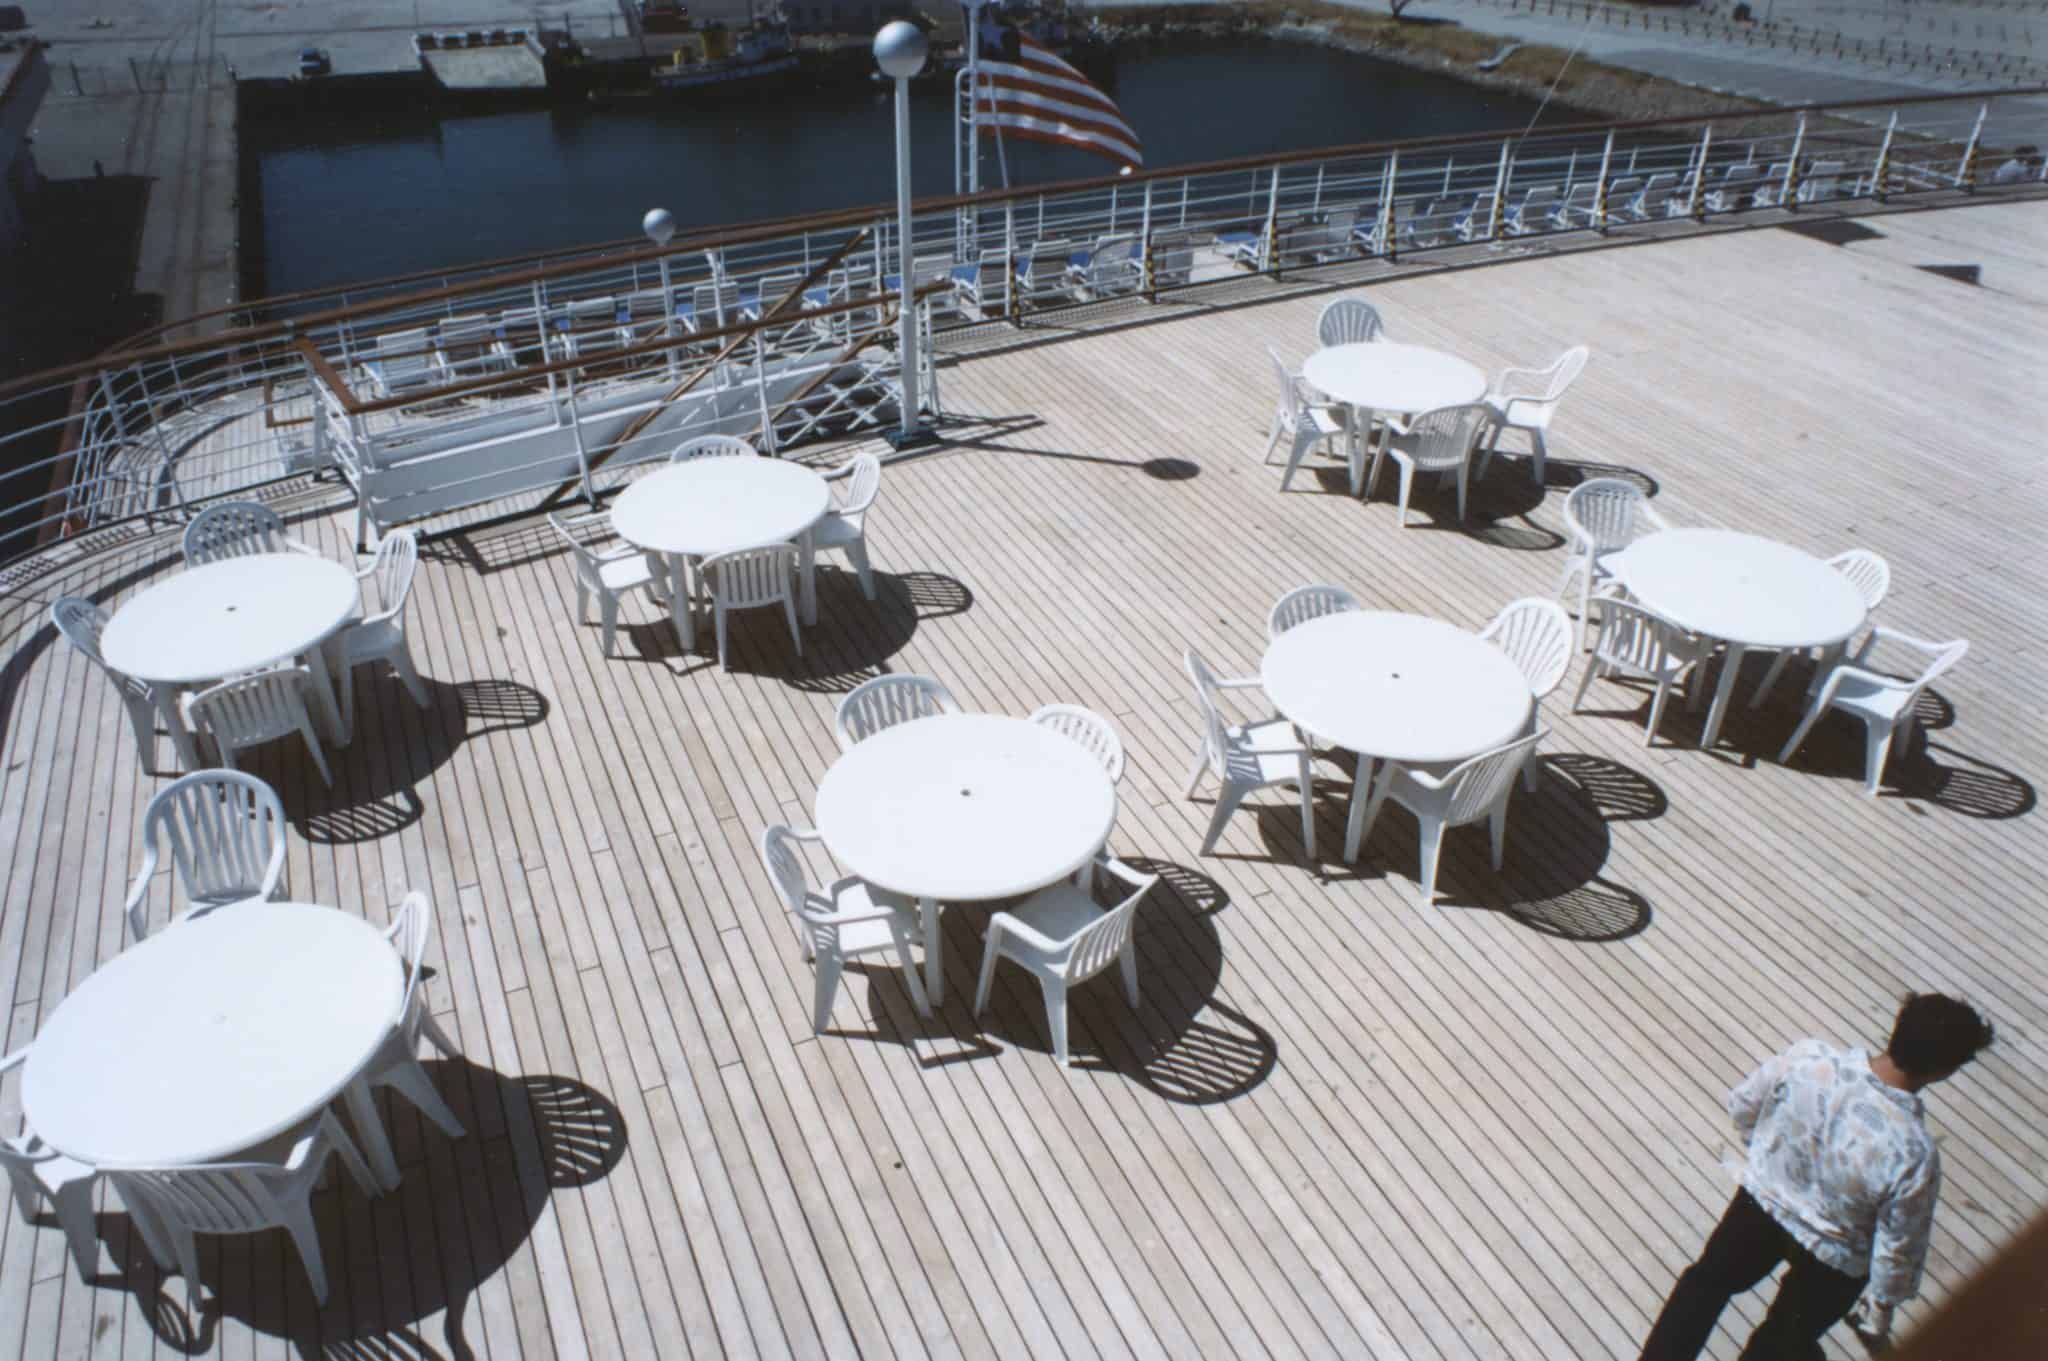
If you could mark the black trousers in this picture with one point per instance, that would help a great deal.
(1745, 1247)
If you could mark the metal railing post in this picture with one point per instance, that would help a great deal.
(1388, 246)
(1317, 205)
(1966, 173)
(1145, 247)
(1788, 195)
(1600, 189)
(1693, 198)
(1881, 172)
(761, 394)
(1500, 189)
(1269, 251)
(576, 433)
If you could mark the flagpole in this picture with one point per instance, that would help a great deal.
(973, 8)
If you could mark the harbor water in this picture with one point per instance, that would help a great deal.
(347, 198)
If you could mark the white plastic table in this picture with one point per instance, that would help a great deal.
(1398, 687)
(1745, 590)
(213, 1035)
(227, 617)
(1383, 375)
(716, 505)
(964, 808)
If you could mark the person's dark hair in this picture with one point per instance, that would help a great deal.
(1935, 1035)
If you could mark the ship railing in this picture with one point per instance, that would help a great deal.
(222, 405)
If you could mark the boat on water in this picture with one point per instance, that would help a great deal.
(727, 57)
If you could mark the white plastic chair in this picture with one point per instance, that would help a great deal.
(260, 707)
(607, 573)
(1303, 422)
(1601, 516)
(886, 701)
(1635, 642)
(1870, 574)
(235, 529)
(82, 622)
(846, 920)
(380, 636)
(226, 831)
(1246, 757)
(750, 578)
(1304, 603)
(1472, 790)
(1537, 636)
(396, 1064)
(1526, 400)
(405, 360)
(855, 484)
(1090, 730)
(1064, 937)
(264, 1188)
(1886, 703)
(1439, 441)
(1534, 212)
(1348, 321)
(37, 1172)
(1655, 200)
(713, 446)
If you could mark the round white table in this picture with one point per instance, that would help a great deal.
(1396, 687)
(231, 616)
(964, 808)
(1746, 591)
(1383, 375)
(715, 505)
(212, 1035)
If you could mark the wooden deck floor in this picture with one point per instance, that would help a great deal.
(1340, 1124)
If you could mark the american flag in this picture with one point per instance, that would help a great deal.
(1028, 92)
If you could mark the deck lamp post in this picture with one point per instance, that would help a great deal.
(659, 226)
(900, 50)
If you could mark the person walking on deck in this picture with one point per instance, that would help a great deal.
(1841, 1181)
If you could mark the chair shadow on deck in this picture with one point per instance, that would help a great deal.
(1181, 1043)
(402, 1268)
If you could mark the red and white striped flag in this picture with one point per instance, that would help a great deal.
(1029, 92)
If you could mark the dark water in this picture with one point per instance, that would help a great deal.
(356, 197)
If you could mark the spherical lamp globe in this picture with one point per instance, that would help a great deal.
(659, 226)
(900, 49)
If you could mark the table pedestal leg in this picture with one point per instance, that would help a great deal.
(328, 711)
(1361, 796)
(1731, 664)
(934, 955)
(362, 1113)
(682, 600)
(807, 560)
(174, 722)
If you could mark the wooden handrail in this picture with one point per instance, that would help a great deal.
(325, 372)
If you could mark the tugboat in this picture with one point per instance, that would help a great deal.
(718, 56)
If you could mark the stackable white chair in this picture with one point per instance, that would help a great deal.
(1064, 937)
(846, 920)
(1635, 642)
(1602, 515)
(1348, 321)
(713, 446)
(1246, 757)
(1304, 603)
(259, 707)
(1437, 441)
(380, 636)
(82, 622)
(886, 701)
(1302, 422)
(396, 1063)
(1090, 730)
(405, 360)
(607, 573)
(1870, 574)
(226, 831)
(268, 1187)
(1885, 703)
(751, 578)
(1537, 636)
(235, 529)
(1472, 790)
(36, 1173)
(1533, 213)
(854, 485)
(1525, 400)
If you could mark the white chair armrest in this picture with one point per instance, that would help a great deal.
(1004, 922)
(1421, 777)
(1878, 631)
(1240, 683)
(295, 546)
(1121, 870)
(1273, 751)
(843, 470)
(139, 890)
(1862, 673)
(1650, 513)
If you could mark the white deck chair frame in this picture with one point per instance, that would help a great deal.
(752, 578)
(1640, 643)
(1871, 575)
(1527, 400)
(226, 833)
(1887, 705)
(247, 711)
(1245, 757)
(396, 1063)
(1304, 603)
(606, 573)
(37, 1172)
(886, 701)
(1600, 517)
(1537, 636)
(82, 622)
(380, 635)
(1302, 422)
(234, 529)
(1475, 789)
(854, 486)
(845, 920)
(1439, 441)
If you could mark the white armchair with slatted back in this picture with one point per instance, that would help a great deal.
(854, 486)
(250, 710)
(1087, 729)
(1246, 757)
(1064, 937)
(1349, 321)
(380, 635)
(845, 920)
(885, 701)
(37, 1172)
(264, 1188)
(1439, 441)
(1475, 789)
(606, 568)
(226, 834)
(1887, 703)
(1602, 516)
(1304, 603)
(1302, 423)
(1537, 636)
(396, 1064)
(1638, 643)
(1871, 575)
(1527, 400)
(712, 446)
(752, 578)
(82, 622)
(235, 529)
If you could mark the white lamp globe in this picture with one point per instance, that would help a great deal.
(659, 225)
(900, 49)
